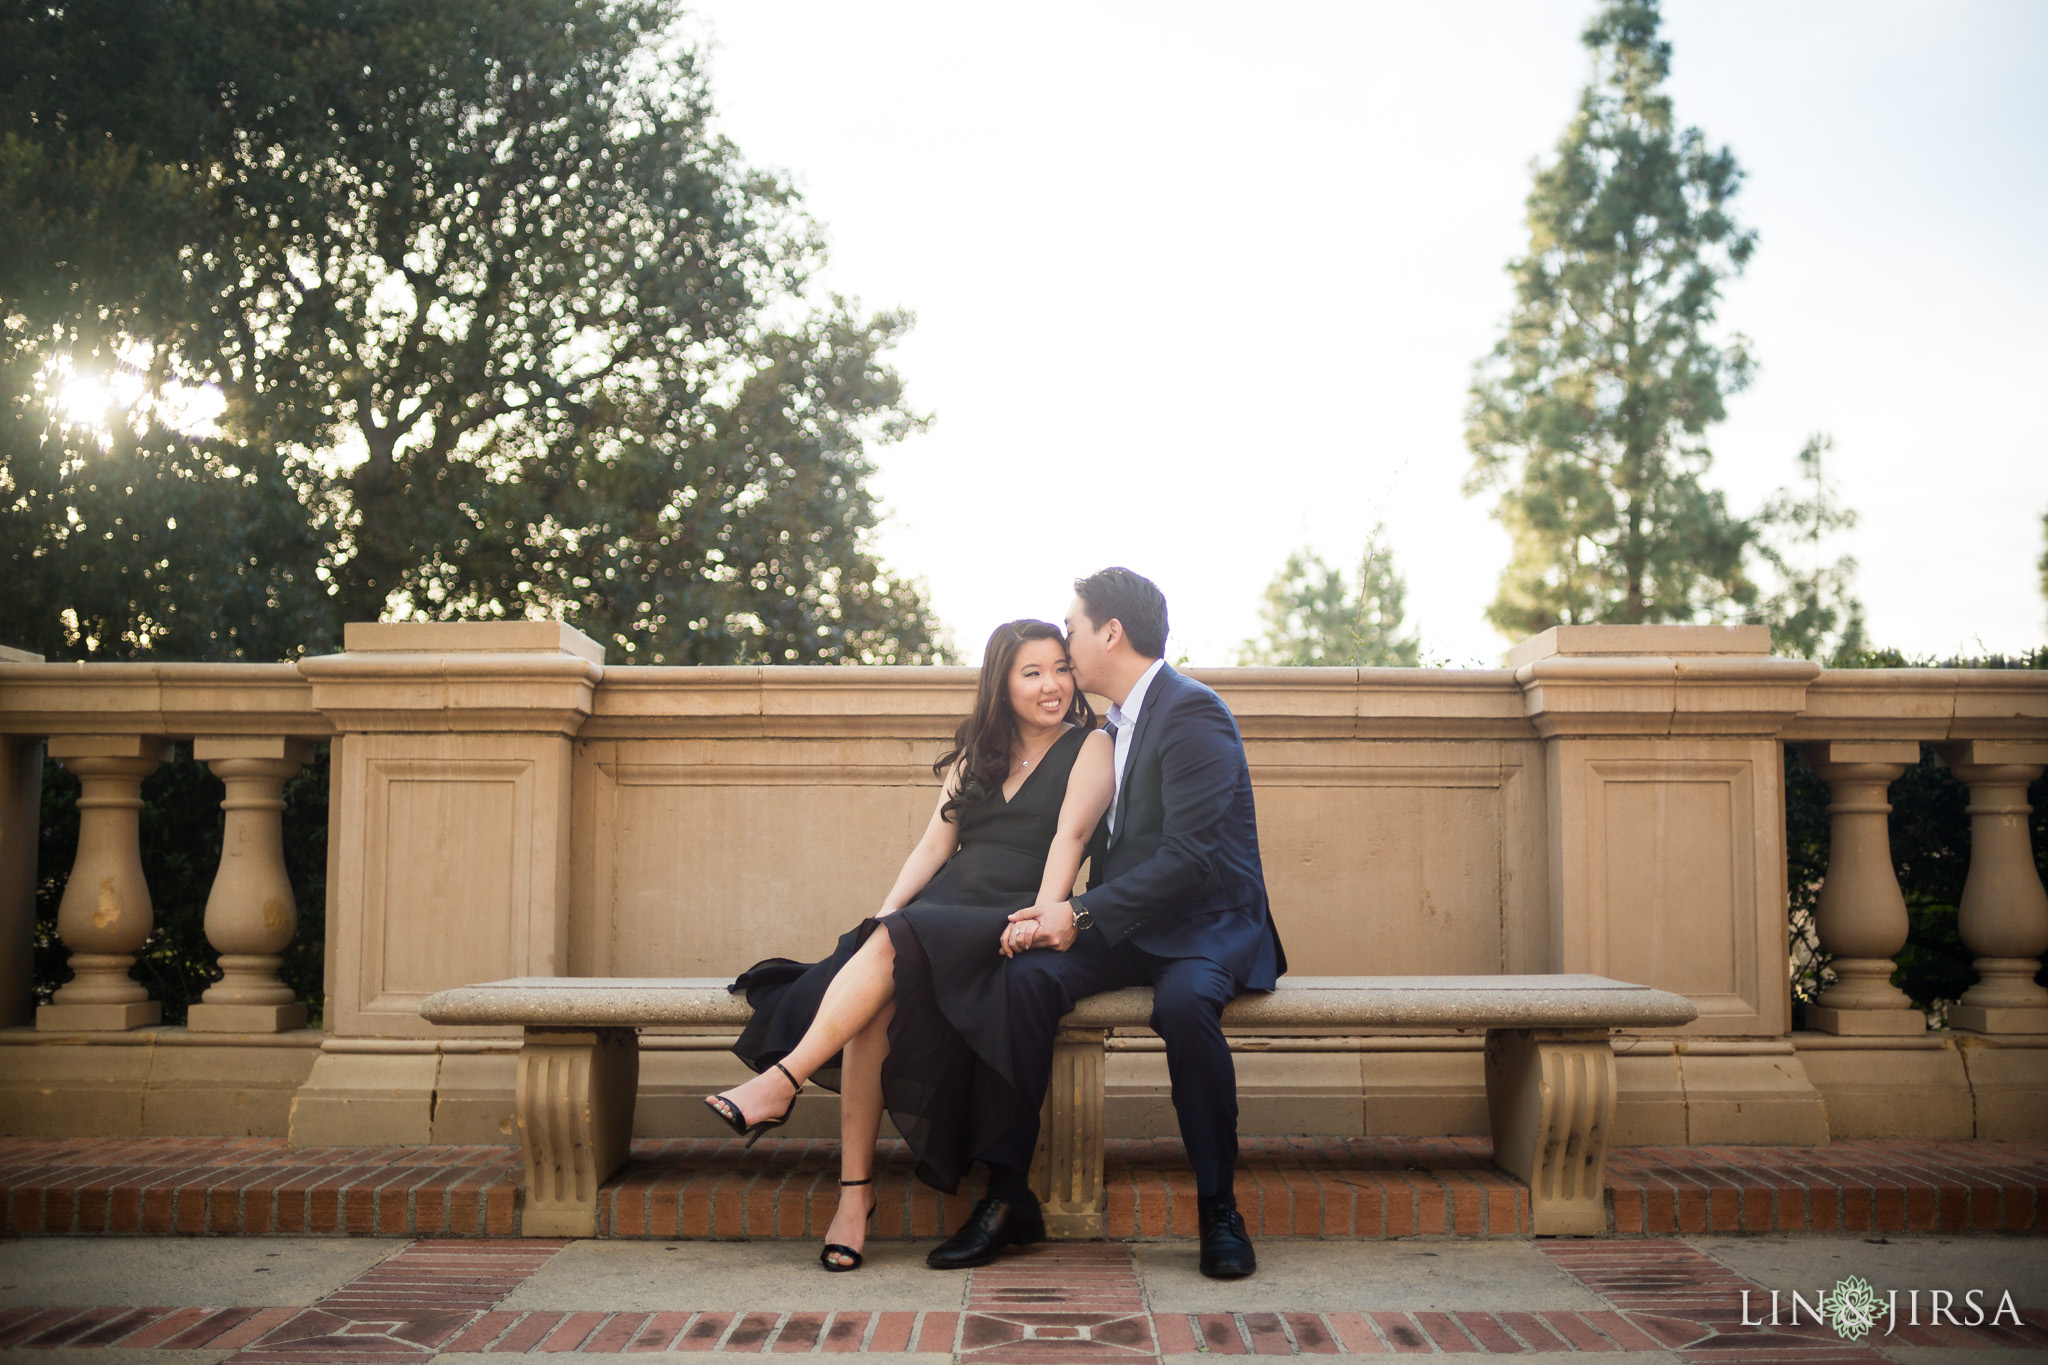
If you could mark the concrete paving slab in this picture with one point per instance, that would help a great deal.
(1350, 1277)
(173, 1272)
(1984, 1261)
(662, 1277)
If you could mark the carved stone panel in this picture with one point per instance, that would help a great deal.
(451, 868)
(1670, 871)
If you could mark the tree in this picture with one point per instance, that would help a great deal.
(495, 325)
(2044, 556)
(1814, 613)
(1314, 616)
(1590, 414)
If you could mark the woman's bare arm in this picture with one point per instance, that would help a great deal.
(940, 838)
(1089, 787)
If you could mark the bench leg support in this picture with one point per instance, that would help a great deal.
(1550, 1096)
(574, 1105)
(1066, 1170)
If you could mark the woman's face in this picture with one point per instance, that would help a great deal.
(1041, 683)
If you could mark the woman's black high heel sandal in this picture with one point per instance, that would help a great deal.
(730, 1112)
(830, 1248)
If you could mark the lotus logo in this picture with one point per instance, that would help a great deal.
(1851, 1308)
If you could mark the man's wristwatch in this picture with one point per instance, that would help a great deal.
(1082, 919)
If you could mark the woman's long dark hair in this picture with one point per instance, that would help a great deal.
(983, 744)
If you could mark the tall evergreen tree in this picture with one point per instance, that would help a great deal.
(1314, 615)
(1813, 612)
(2044, 557)
(1590, 415)
(498, 327)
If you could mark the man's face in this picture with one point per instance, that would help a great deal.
(1087, 646)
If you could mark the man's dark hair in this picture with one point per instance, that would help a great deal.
(1120, 595)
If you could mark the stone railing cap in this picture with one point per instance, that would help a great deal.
(1665, 640)
(452, 637)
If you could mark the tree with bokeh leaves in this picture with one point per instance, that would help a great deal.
(1589, 418)
(1813, 610)
(1314, 614)
(451, 311)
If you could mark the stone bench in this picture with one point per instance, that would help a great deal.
(1549, 1074)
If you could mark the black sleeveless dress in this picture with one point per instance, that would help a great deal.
(946, 1081)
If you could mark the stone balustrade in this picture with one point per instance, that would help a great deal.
(504, 805)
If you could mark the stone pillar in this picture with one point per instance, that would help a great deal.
(448, 846)
(21, 800)
(1664, 780)
(1861, 918)
(250, 913)
(2004, 915)
(105, 915)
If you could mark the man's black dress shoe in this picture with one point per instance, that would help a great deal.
(994, 1225)
(1226, 1247)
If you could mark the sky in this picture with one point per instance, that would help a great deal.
(1196, 284)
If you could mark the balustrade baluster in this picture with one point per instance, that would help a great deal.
(2004, 914)
(105, 914)
(250, 913)
(1861, 917)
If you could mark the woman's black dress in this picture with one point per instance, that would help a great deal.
(946, 1081)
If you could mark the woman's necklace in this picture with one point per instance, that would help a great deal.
(1024, 763)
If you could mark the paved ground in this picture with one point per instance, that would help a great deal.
(306, 1301)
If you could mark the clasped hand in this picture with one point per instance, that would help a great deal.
(1040, 926)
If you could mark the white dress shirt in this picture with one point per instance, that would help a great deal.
(1124, 716)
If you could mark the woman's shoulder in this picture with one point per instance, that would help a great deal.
(1071, 741)
(1068, 748)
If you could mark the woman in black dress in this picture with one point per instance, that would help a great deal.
(913, 1018)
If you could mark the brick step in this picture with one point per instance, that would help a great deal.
(1287, 1187)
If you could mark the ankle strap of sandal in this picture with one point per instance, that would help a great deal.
(869, 1181)
(787, 1077)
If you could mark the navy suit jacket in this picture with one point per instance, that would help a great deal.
(1180, 876)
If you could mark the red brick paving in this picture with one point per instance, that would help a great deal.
(315, 1337)
(1058, 1304)
(1330, 1187)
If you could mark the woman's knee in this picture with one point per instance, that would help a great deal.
(878, 1027)
(1035, 974)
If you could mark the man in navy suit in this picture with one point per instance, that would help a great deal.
(1176, 901)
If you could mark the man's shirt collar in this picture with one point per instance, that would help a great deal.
(1125, 713)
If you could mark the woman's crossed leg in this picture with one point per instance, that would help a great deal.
(853, 1020)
